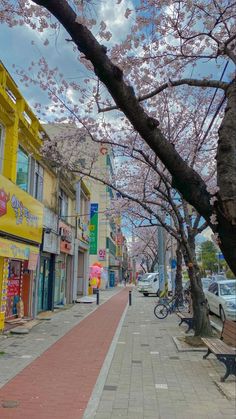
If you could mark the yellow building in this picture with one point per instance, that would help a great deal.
(21, 212)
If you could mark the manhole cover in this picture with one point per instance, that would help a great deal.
(10, 403)
(110, 388)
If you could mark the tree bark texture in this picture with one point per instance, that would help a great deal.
(202, 325)
(186, 180)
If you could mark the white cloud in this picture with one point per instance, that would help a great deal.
(113, 15)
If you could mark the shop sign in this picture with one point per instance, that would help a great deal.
(93, 229)
(20, 214)
(66, 236)
(33, 262)
(101, 254)
(50, 243)
(14, 250)
(2, 320)
(119, 251)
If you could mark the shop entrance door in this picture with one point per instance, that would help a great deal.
(43, 289)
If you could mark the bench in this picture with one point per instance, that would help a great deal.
(185, 318)
(221, 347)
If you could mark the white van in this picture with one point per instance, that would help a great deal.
(150, 285)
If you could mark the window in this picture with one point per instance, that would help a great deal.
(63, 204)
(1, 147)
(22, 171)
(213, 288)
(36, 187)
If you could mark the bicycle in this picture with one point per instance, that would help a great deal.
(161, 310)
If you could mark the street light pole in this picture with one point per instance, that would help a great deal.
(161, 260)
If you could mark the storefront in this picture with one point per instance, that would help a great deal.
(63, 291)
(49, 250)
(21, 225)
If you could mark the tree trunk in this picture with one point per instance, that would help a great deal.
(202, 325)
(178, 275)
(226, 180)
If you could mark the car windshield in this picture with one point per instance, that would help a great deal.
(146, 278)
(228, 289)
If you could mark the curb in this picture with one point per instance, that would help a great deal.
(181, 347)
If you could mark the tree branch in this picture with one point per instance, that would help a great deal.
(173, 83)
(185, 179)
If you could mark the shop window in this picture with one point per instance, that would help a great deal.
(22, 174)
(36, 187)
(63, 205)
(1, 148)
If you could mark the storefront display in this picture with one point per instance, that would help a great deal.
(14, 287)
(21, 222)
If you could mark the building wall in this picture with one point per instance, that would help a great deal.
(19, 126)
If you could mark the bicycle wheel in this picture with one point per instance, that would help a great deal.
(161, 311)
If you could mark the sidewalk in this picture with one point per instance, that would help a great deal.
(143, 376)
(149, 378)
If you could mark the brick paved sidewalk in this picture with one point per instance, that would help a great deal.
(149, 378)
(58, 384)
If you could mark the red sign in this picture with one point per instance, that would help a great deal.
(4, 198)
(13, 287)
(66, 238)
(103, 150)
(102, 254)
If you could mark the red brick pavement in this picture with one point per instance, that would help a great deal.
(59, 383)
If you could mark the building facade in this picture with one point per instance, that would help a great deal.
(21, 210)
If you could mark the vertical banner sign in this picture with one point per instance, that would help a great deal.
(93, 229)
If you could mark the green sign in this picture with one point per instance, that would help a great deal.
(93, 229)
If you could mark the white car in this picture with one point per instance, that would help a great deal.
(142, 281)
(149, 284)
(221, 299)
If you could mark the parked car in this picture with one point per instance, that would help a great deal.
(142, 281)
(206, 282)
(151, 285)
(221, 299)
(217, 277)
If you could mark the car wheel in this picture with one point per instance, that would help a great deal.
(222, 314)
(145, 294)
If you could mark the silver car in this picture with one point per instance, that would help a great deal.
(221, 299)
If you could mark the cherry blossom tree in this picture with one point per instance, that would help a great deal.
(170, 46)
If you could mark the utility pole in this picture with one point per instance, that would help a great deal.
(161, 259)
